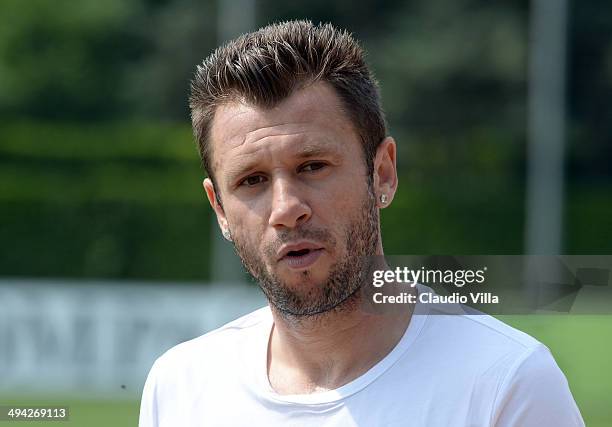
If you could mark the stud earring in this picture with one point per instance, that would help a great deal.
(383, 199)
(227, 235)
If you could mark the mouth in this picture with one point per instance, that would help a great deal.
(300, 256)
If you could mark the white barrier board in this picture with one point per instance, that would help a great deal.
(101, 338)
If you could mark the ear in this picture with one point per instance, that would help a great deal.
(385, 172)
(213, 200)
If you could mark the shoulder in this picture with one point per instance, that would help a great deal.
(489, 330)
(467, 330)
(217, 346)
(534, 393)
(484, 347)
(515, 373)
(198, 367)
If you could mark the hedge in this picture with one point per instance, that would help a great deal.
(124, 200)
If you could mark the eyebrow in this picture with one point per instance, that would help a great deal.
(306, 151)
(313, 150)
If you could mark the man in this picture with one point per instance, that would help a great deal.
(293, 139)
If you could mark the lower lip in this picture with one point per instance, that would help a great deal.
(303, 261)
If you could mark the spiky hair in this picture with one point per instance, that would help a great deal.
(265, 67)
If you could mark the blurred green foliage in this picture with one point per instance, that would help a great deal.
(121, 200)
(91, 60)
(124, 200)
(99, 176)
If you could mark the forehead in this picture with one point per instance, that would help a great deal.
(312, 117)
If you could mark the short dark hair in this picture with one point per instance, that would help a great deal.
(265, 67)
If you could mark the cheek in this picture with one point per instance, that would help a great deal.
(240, 215)
(343, 199)
(249, 229)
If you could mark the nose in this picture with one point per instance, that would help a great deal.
(289, 208)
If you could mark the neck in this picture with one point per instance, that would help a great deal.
(327, 350)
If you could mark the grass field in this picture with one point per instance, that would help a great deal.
(582, 346)
(83, 413)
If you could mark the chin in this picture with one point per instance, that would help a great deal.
(304, 278)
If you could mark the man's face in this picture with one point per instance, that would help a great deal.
(296, 198)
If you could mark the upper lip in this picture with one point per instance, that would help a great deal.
(285, 249)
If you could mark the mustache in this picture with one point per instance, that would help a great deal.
(319, 235)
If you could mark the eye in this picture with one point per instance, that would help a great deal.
(311, 167)
(252, 180)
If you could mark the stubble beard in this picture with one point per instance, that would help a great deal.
(341, 290)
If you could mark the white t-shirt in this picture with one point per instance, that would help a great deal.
(447, 370)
